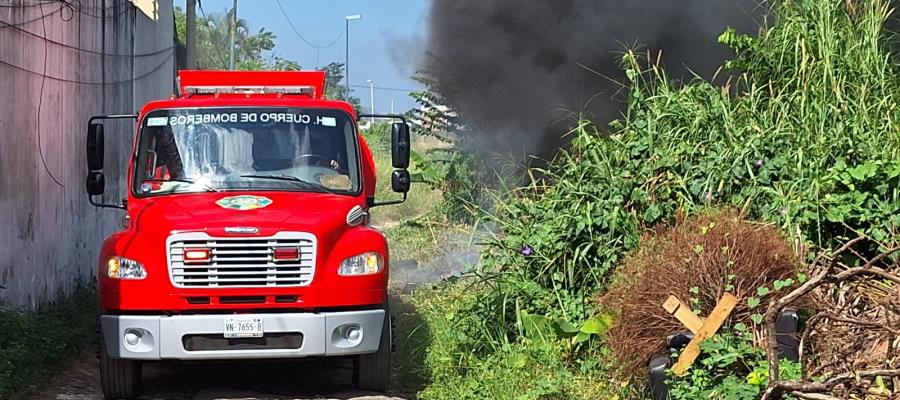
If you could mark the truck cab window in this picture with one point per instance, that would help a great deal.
(246, 149)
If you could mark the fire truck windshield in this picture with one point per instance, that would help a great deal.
(216, 149)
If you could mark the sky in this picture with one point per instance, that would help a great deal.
(384, 44)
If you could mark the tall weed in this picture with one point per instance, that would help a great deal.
(810, 142)
(804, 135)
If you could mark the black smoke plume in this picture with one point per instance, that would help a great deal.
(514, 69)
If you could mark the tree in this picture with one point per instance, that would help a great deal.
(433, 117)
(252, 50)
(335, 88)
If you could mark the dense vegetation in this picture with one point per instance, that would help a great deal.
(803, 136)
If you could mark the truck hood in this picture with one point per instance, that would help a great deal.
(269, 212)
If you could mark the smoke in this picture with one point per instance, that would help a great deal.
(515, 70)
(457, 255)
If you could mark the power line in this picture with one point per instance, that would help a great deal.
(40, 104)
(71, 3)
(300, 35)
(17, 24)
(385, 88)
(74, 6)
(77, 82)
(124, 6)
(28, 5)
(4, 24)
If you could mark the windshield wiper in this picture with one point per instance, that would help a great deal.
(189, 181)
(293, 179)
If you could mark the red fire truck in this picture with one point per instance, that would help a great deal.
(246, 230)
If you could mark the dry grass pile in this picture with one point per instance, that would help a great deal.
(697, 260)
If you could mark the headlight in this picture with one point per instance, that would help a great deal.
(364, 264)
(124, 268)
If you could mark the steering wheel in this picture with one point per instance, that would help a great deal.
(316, 159)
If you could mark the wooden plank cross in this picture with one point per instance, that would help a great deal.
(702, 329)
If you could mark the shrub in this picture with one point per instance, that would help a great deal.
(802, 138)
(461, 363)
(809, 143)
(698, 260)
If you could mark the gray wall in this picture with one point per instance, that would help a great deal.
(49, 234)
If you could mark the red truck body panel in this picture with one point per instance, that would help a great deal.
(150, 220)
(314, 79)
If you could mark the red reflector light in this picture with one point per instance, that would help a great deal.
(286, 254)
(196, 255)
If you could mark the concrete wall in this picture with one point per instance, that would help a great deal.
(49, 234)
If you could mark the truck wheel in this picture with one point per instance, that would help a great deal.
(119, 379)
(373, 371)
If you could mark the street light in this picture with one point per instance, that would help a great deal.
(372, 96)
(231, 33)
(347, 53)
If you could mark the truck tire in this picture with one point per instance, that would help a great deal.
(373, 371)
(119, 379)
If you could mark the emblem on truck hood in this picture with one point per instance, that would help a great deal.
(244, 203)
(242, 230)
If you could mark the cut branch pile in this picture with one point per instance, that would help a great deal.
(850, 348)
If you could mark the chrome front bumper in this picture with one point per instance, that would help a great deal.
(161, 336)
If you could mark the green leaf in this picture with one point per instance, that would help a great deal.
(762, 291)
(566, 326)
(752, 302)
(781, 284)
(597, 324)
(581, 337)
(538, 327)
(756, 318)
(864, 171)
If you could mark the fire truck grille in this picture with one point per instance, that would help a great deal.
(242, 262)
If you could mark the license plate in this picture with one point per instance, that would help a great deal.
(243, 327)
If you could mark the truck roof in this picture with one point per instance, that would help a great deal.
(303, 83)
(198, 88)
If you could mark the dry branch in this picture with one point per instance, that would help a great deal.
(857, 320)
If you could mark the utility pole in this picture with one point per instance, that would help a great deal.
(372, 97)
(347, 52)
(191, 35)
(233, 33)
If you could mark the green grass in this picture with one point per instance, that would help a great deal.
(434, 357)
(422, 198)
(33, 345)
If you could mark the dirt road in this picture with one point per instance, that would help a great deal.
(295, 380)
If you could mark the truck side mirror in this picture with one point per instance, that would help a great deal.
(95, 183)
(400, 181)
(95, 147)
(400, 146)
